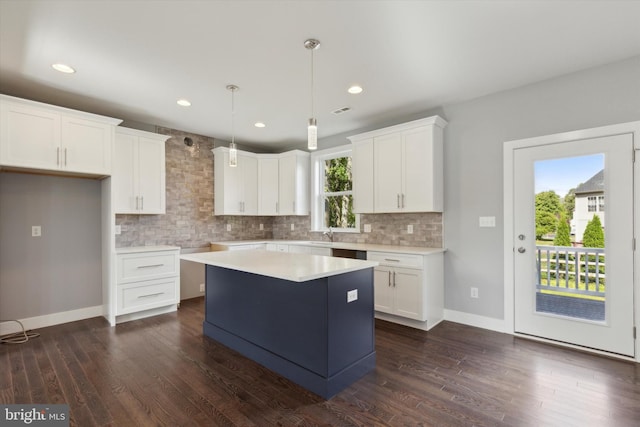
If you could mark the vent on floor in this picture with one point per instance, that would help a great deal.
(341, 110)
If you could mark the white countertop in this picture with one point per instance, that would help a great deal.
(417, 250)
(137, 249)
(295, 267)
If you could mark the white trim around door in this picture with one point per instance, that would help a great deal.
(508, 197)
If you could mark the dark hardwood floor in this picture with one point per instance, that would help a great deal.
(162, 371)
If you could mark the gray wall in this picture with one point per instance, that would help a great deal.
(473, 165)
(61, 270)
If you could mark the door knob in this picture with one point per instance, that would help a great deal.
(521, 250)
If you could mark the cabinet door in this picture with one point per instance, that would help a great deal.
(124, 176)
(417, 177)
(287, 185)
(249, 170)
(151, 176)
(268, 186)
(407, 284)
(362, 156)
(388, 172)
(382, 289)
(86, 146)
(30, 137)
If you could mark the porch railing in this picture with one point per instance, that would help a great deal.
(579, 271)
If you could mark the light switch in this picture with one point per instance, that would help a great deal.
(367, 228)
(36, 231)
(352, 295)
(228, 227)
(410, 229)
(487, 221)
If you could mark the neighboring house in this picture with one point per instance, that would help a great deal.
(589, 202)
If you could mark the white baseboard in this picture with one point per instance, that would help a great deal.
(51, 319)
(484, 322)
(146, 313)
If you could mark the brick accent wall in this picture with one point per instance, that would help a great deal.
(189, 221)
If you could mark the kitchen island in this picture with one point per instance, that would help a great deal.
(309, 318)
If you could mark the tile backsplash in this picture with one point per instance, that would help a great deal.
(189, 221)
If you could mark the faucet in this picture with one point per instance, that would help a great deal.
(329, 234)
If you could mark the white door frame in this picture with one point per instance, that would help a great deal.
(508, 153)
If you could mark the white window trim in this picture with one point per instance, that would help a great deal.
(317, 180)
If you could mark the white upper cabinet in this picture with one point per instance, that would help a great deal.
(36, 136)
(294, 183)
(235, 188)
(268, 167)
(139, 182)
(362, 173)
(399, 168)
(261, 184)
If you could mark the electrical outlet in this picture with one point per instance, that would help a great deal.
(118, 229)
(261, 227)
(410, 229)
(293, 227)
(352, 295)
(36, 231)
(201, 287)
(228, 227)
(367, 228)
(474, 293)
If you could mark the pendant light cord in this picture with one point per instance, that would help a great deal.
(312, 86)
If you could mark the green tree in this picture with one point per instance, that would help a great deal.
(593, 234)
(563, 234)
(569, 203)
(548, 208)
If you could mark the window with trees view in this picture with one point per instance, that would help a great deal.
(332, 201)
(338, 193)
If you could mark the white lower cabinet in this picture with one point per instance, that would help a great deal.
(147, 281)
(409, 286)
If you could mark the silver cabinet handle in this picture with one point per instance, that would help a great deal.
(65, 157)
(137, 203)
(402, 204)
(58, 156)
(398, 200)
(141, 203)
(521, 250)
(151, 295)
(394, 279)
(389, 278)
(392, 260)
(150, 266)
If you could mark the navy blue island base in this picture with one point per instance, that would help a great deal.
(304, 331)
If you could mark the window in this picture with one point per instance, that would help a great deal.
(332, 205)
(591, 203)
(601, 203)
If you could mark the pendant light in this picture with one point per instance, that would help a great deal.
(312, 127)
(233, 150)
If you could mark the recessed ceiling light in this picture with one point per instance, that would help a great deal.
(63, 68)
(259, 125)
(355, 90)
(184, 103)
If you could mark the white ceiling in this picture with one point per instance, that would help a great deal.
(134, 59)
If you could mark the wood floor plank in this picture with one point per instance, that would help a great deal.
(162, 371)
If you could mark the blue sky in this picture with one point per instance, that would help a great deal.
(560, 175)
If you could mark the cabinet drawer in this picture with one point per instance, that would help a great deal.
(134, 267)
(146, 295)
(396, 260)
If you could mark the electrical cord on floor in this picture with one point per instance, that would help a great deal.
(17, 337)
